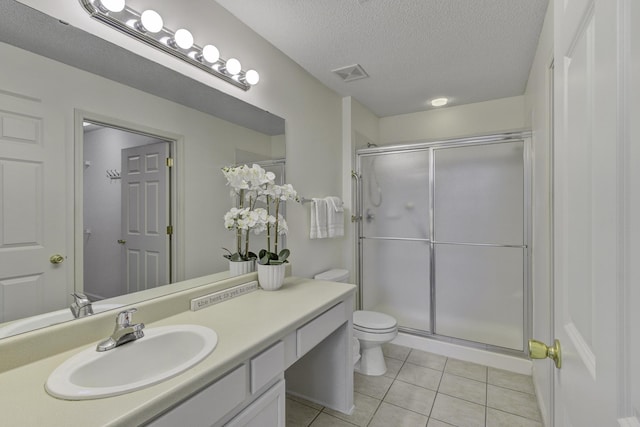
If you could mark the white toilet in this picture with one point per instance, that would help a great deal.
(372, 329)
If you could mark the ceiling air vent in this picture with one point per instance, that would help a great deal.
(352, 72)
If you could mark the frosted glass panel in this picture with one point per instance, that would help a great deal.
(479, 194)
(396, 281)
(395, 194)
(479, 294)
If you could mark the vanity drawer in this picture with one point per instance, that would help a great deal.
(208, 405)
(309, 335)
(266, 366)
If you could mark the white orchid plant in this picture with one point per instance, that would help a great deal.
(249, 185)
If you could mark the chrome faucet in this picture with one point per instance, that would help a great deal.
(81, 306)
(123, 332)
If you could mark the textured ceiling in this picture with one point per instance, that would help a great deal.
(412, 50)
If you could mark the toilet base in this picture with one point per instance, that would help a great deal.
(371, 361)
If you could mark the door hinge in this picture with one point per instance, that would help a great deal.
(170, 162)
(169, 230)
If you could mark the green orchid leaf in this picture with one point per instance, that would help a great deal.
(284, 254)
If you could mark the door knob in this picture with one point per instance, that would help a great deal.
(122, 242)
(539, 350)
(56, 259)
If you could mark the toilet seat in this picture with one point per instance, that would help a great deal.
(374, 322)
(373, 331)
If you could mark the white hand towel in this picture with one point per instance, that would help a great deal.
(335, 216)
(318, 226)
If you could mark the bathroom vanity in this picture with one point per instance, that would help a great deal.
(295, 340)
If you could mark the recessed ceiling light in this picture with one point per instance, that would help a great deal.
(439, 102)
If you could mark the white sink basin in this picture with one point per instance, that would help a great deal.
(47, 319)
(161, 354)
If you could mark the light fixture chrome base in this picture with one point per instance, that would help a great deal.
(127, 22)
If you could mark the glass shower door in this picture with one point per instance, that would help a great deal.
(394, 236)
(480, 243)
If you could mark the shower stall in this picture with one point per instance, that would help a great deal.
(443, 238)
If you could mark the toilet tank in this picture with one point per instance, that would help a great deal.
(333, 275)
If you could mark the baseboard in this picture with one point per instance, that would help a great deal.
(468, 354)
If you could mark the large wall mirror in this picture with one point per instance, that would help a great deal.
(61, 182)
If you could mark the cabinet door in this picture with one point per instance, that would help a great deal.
(210, 405)
(266, 411)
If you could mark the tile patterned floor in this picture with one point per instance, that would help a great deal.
(425, 389)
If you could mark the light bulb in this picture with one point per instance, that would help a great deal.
(233, 66)
(439, 102)
(210, 53)
(112, 5)
(151, 21)
(252, 77)
(183, 38)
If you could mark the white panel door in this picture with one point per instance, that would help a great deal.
(587, 213)
(145, 216)
(32, 207)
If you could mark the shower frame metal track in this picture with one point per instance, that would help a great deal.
(431, 146)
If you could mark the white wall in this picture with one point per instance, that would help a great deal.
(456, 121)
(359, 127)
(538, 114)
(311, 110)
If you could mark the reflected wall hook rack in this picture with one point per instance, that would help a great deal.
(113, 174)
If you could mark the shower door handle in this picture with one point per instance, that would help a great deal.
(370, 215)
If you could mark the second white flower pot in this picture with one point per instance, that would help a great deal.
(271, 277)
(237, 268)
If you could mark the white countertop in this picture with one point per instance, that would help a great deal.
(245, 325)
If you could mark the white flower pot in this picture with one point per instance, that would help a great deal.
(271, 277)
(237, 268)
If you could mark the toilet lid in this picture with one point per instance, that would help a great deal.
(373, 320)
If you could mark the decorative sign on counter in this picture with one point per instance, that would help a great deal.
(221, 296)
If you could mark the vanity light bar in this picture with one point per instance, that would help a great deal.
(155, 34)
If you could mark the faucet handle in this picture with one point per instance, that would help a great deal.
(80, 299)
(124, 317)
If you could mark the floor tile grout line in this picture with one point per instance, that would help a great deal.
(517, 415)
(315, 418)
(486, 400)
(375, 412)
(462, 398)
(414, 385)
(332, 416)
(511, 389)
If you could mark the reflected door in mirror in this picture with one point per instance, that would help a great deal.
(145, 206)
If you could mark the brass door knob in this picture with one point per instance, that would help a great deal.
(122, 242)
(56, 259)
(539, 350)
